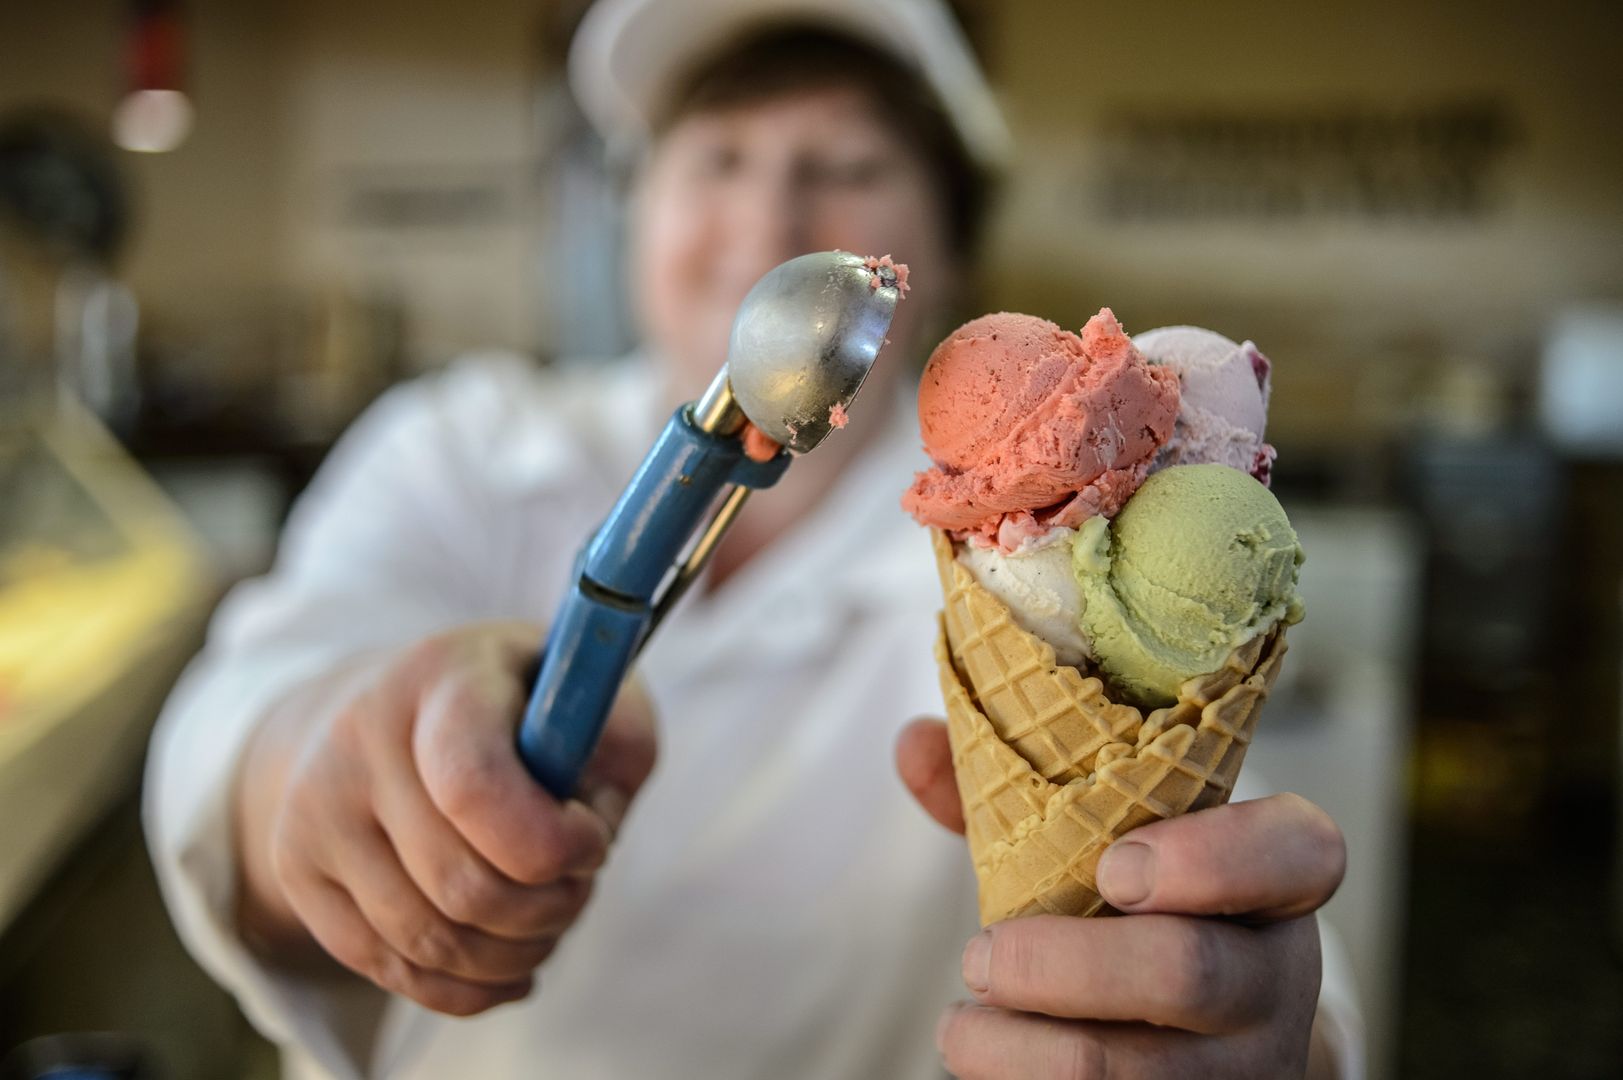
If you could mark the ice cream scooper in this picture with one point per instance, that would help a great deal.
(802, 343)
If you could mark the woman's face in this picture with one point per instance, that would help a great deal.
(726, 195)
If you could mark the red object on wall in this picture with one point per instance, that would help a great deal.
(156, 49)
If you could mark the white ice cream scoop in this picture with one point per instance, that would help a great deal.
(1040, 589)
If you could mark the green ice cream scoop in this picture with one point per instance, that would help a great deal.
(1200, 560)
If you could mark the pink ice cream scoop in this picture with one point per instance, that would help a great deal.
(1031, 427)
(1223, 413)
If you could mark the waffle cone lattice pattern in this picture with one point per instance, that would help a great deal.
(1050, 770)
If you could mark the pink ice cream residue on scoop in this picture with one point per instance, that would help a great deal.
(896, 268)
(758, 445)
(837, 417)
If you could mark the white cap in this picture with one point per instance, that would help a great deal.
(627, 54)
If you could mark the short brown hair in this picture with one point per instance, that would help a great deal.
(783, 59)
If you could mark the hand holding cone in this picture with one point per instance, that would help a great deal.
(1051, 771)
(1032, 433)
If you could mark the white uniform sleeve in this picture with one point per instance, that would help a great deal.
(383, 549)
(1340, 1015)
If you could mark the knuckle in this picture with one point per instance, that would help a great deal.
(369, 718)
(297, 850)
(461, 784)
(367, 961)
(1075, 1056)
(391, 971)
(556, 908)
(432, 944)
(466, 895)
(1016, 959)
(556, 853)
(449, 716)
(434, 993)
(1194, 968)
(542, 863)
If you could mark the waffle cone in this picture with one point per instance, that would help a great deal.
(1051, 771)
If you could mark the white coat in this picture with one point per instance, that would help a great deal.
(776, 904)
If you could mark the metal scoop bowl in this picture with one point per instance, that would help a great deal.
(804, 340)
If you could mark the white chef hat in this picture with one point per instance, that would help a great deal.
(627, 55)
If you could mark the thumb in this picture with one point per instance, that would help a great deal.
(1265, 859)
(924, 762)
(624, 757)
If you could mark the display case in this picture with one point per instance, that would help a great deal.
(102, 593)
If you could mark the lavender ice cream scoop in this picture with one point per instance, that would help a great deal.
(1223, 411)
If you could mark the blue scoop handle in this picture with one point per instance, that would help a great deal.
(610, 607)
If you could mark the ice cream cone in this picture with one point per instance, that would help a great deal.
(1051, 771)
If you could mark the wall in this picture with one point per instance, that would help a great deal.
(306, 110)
(245, 239)
(210, 214)
(411, 170)
(1319, 294)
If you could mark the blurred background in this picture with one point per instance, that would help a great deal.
(224, 228)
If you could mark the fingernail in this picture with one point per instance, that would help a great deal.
(978, 962)
(1127, 873)
(942, 1024)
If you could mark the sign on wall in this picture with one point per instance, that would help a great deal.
(1426, 163)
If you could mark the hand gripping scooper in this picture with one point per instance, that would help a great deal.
(802, 343)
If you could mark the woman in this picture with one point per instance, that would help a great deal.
(336, 807)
